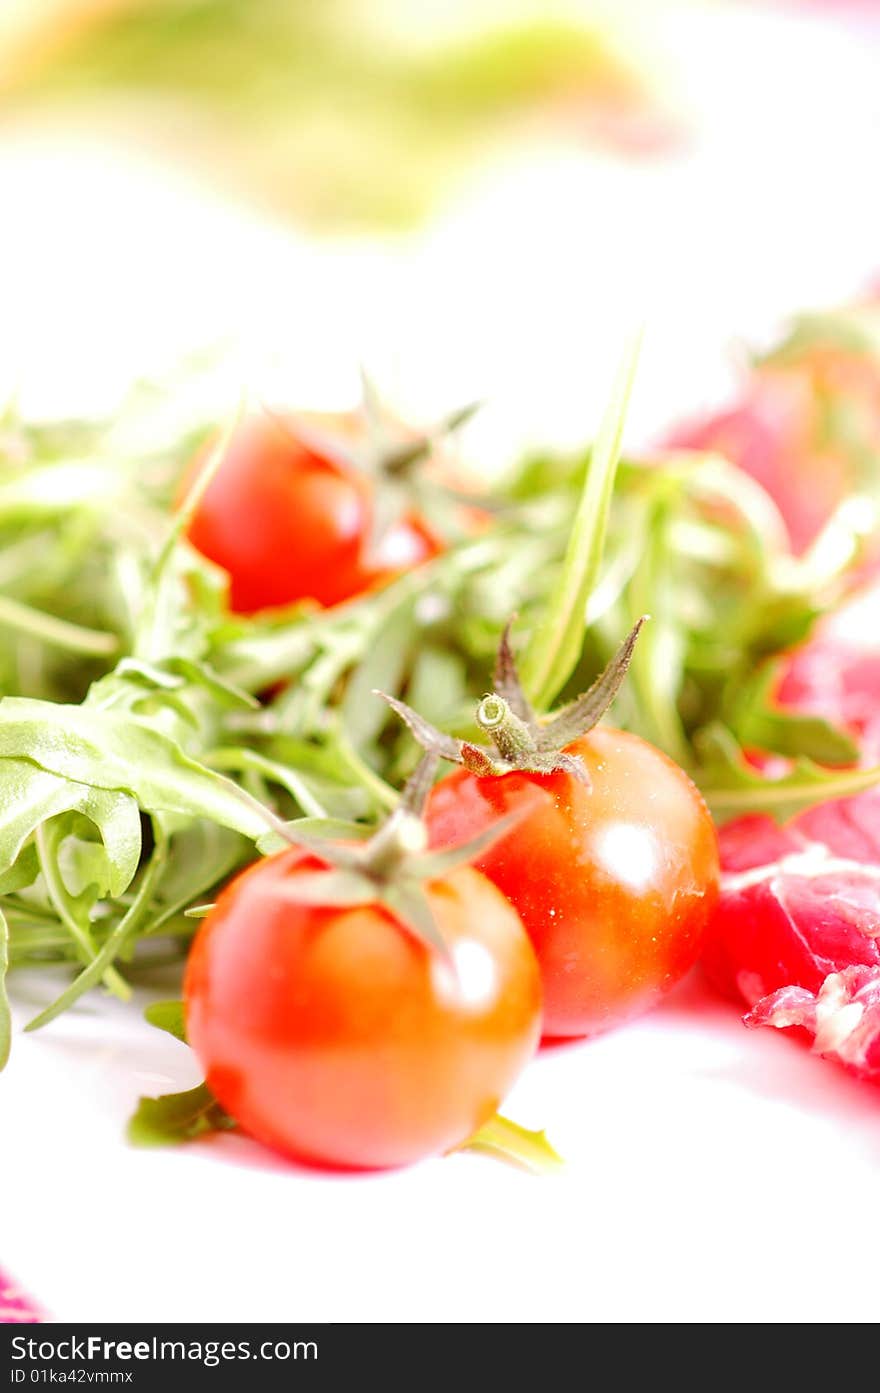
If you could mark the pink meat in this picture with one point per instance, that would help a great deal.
(837, 674)
(768, 435)
(806, 425)
(796, 934)
(843, 1017)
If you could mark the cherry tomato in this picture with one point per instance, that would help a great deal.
(614, 883)
(289, 523)
(339, 1038)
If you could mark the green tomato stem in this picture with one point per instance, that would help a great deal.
(511, 737)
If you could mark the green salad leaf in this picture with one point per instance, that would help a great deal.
(31, 796)
(507, 1140)
(177, 1117)
(167, 1016)
(761, 724)
(102, 748)
(731, 787)
(556, 645)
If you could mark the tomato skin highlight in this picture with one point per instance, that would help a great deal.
(338, 1038)
(289, 524)
(615, 884)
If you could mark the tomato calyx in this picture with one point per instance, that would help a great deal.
(391, 867)
(522, 741)
(390, 459)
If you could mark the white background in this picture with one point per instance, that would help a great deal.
(713, 1174)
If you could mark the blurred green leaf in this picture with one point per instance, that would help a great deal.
(177, 1117)
(168, 1016)
(509, 1141)
(762, 724)
(553, 651)
(731, 787)
(104, 750)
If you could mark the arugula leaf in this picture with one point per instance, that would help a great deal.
(109, 750)
(201, 855)
(511, 1142)
(177, 1117)
(168, 1016)
(657, 667)
(76, 638)
(103, 959)
(552, 654)
(381, 668)
(55, 488)
(30, 796)
(161, 615)
(22, 873)
(174, 674)
(243, 759)
(73, 910)
(732, 788)
(758, 723)
(438, 687)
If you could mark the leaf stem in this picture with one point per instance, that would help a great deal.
(61, 902)
(60, 633)
(384, 794)
(103, 960)
(552, 654)
(238, 758)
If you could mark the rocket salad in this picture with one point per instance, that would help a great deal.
(169, 720)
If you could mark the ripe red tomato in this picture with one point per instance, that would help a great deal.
(289, 523)
(614, 883)
(339, 1038)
